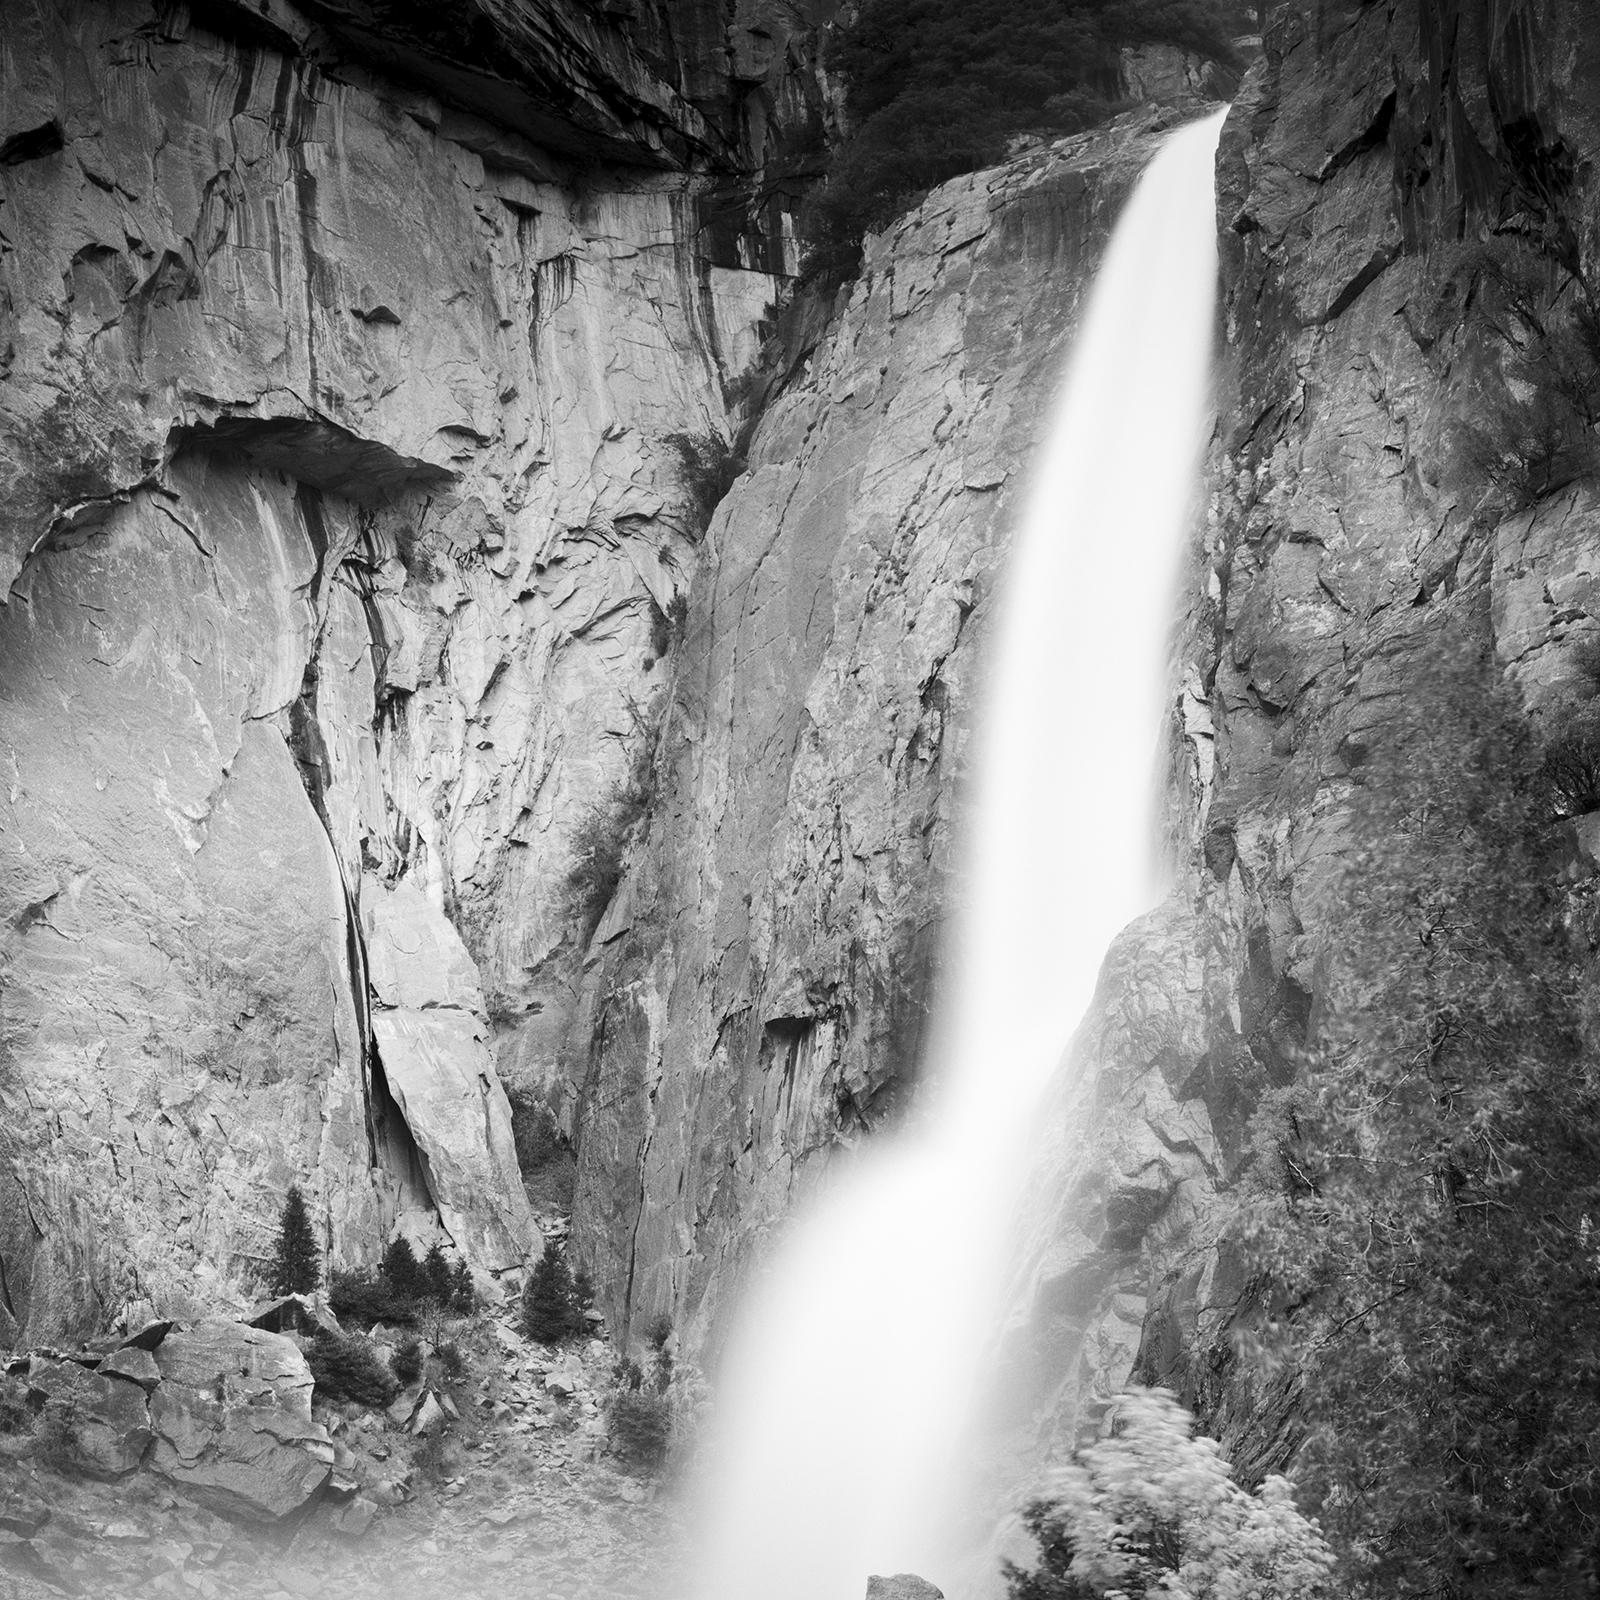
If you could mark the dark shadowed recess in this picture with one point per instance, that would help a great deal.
(317, 453)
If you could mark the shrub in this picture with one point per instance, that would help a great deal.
(550, 1310)
(296, 1263)
(16, 1414)
(463, 1292)
(639, 1426)
(402, 1288)
(363, 1297)
(1154, 1510)
(451, 1359)
(600, 847)
(406, 1363)
(1571, 766)
(347, 1368)
(708, 466)
(658, 1336)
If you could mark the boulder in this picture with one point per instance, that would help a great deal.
(233, 1425)
(903, 1586)
(134, 1364)
(430, 1417)
(295, 1313)
(106, 1423)
(238, 1364)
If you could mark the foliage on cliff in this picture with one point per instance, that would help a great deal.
(937, 87)
(1153, 1509)
(1430, 1223)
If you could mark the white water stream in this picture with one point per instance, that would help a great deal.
(852, 1378)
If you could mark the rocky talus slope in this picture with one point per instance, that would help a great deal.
(345, 450)
(518, 1495)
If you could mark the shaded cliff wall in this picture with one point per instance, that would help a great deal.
(1407, 197)
(342, 444)
(760, 982)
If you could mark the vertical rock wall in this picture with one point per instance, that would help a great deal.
(343, 447)
(1406, 196)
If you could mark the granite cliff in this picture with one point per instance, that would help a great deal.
(346, 438)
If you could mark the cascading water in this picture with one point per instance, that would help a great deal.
(853, 1377)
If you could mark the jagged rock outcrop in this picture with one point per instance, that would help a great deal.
(345, 448)
(761, 979)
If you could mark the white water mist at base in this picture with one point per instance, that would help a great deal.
(855, 1372)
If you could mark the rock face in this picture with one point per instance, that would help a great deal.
(347, 458)
(1389, 217)
(760, 980)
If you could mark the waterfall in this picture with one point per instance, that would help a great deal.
(855, 1372)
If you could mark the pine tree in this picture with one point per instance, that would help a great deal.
(463, 1292)
(297, 1263)
(401, 1271)
(550, 1312)
(436, 1276)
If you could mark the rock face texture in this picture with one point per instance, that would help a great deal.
(347, 457)
(760, 980)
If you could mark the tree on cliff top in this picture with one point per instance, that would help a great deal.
(937, 87)
(296, 1262)
(1429, 1224)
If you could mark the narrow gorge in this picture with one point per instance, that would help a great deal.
(492, 639)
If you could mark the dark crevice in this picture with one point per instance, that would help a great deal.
(317, 454)
(1380, 263)
(32, 144)
(394, 1145)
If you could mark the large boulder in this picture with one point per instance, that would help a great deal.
(102, 1422)
(232, 1420)
(903, 1586)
